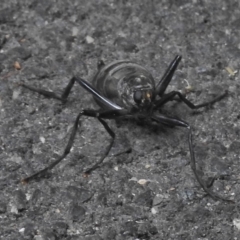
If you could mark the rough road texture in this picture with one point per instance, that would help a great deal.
(54, 40)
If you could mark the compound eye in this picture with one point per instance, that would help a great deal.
(137, 96)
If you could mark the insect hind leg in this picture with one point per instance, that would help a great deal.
(50, 94)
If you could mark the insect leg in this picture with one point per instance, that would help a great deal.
(112, 134)
(111, 114)
(89, 113)
(180, 123)
(167, 77)
(87, 86)
(171, 96)
(65, 153)
(50, 94)
(43, 92)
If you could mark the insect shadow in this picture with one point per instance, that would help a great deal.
(126, 90)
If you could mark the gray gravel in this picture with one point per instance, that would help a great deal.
(54, 40)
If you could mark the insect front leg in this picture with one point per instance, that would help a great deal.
(171, 96)
(168, 121)
(167, 77)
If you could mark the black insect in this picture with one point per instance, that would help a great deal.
(126, 90)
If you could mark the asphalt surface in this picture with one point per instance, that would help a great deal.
(150, 193)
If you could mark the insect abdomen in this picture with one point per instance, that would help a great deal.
(114, 80)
